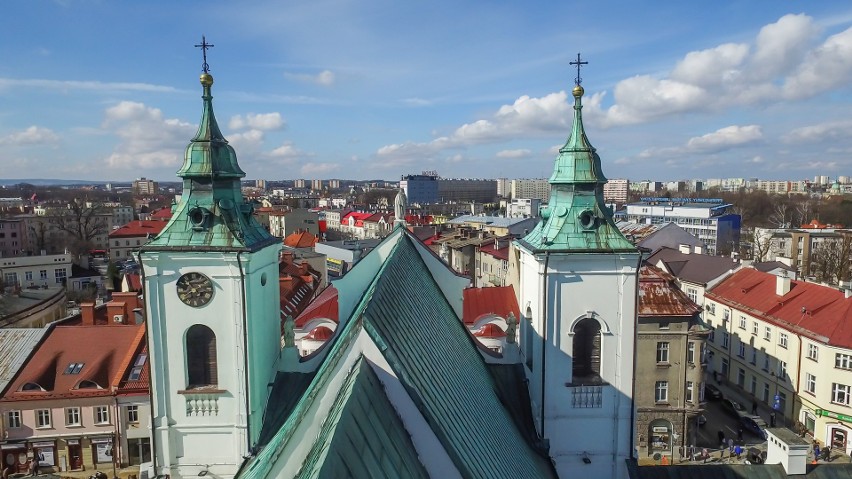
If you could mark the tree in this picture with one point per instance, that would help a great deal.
(830, 260)
(757, 244)
(83, 223)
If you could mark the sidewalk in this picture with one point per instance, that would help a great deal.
(123, 473)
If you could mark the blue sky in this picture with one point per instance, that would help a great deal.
(93, 89)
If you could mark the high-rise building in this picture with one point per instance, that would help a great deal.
(316, 185)
(299, 183)
(420, 189)
(536, 189)
(615, 191)
(144, 186)
(708, 219)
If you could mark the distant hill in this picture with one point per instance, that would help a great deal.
(50, 182)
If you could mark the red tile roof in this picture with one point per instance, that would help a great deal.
(105, 364)
(818, 312)
(490, 330)
(501, 253)
(499, 301)
(304, 239)
(139, 228)
(659, 295)
(324, 306)
(320, 333)
(162, 214)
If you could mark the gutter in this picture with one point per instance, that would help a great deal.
(245, 351)
(632, 438)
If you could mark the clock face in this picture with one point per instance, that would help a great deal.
(195, 289)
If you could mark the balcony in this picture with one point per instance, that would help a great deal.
(202, 402)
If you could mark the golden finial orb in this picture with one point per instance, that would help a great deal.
(577, 91)
(206, 79)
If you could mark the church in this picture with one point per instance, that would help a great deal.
(402, 388)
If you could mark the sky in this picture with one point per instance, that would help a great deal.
(374, 89)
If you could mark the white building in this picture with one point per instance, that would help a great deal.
(786, 343)
(615, 191)
(538, 188)
(578, 280)
(710, 220)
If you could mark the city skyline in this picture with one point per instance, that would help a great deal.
(378, 90)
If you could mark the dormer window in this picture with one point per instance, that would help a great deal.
(74, 368)
(86, 384)
(136, 372)
(31, 387)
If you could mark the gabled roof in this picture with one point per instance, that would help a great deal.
(819, 312)
(499, 301)
(323, 306)
(694, 268)
(659, 296)
(363, 436)
(303, 239)
(405, 313)
(139, 228)
(16, 345)
(103, 365)
(672, 236)
(499, 253)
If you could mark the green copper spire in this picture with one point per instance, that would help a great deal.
(576, 218)
(212, 213)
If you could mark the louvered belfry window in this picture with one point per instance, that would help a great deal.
(201, 356)
(587, 352)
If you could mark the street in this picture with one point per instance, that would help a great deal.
(719, 420)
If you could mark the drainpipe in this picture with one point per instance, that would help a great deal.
(635, 319)
(544, 335)
(245, 352)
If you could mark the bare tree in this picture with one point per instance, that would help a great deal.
(830, 260)
(760, 241)
(83, 223)
(781, 211)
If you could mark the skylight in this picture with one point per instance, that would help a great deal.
(136, 372)
(74, 368)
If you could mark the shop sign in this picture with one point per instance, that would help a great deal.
(46, 456)
(72, 442)
(660, 429)
(835, 415)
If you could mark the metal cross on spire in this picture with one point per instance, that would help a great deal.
(579, 63)
(204, 46)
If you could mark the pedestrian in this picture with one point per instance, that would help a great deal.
(738, 450)
(731, 446)
(772, 419)
(721, 435)
(705, 454)
(816, 451)
(826, 453)
(740, 434)
(754, 407)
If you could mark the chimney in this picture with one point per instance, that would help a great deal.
(116, 313)
(130, 298)
(785, 447)
(87, 314)
(782, 285)
(685, 249)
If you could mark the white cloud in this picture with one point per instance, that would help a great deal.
(720, 140)
(309, 169)
(286, 152)
(147, 139)
(66, 85)
(34, 135)
(526, 116)
(514, 154)
(782, 62)
(257, 121)
(248, 141)
(834, 130)
(323, 78)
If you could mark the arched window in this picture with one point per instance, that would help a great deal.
(587, 352)
(201, 357)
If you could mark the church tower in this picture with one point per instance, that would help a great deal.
(578, 279)
(212, 301)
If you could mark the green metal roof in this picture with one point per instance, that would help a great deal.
(362, 436)
(212, 213)
(576, 218)
(428, 348)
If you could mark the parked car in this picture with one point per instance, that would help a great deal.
(712, 393)
(754, 424)
(734, 408)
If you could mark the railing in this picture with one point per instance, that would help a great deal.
(586, 396)
(200, 403)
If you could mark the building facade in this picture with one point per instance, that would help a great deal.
(420, 189)
(615, 191)
(710, 220)
(532, 188)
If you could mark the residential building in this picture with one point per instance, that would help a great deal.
(460, 190)
(710, 220)
(496, 225)
(695, 273)
(299, 183)
(492, 263)
(816, 250)
(534, 188)
(669, 371)
(61, 407)
(144, 186)
(786, 343)
(316, 185)
(615, 191)
(283, 223)
(125, 241)
(341, 256)
(11, 237)
(523, 208)
(420, 189)
(503, 187)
